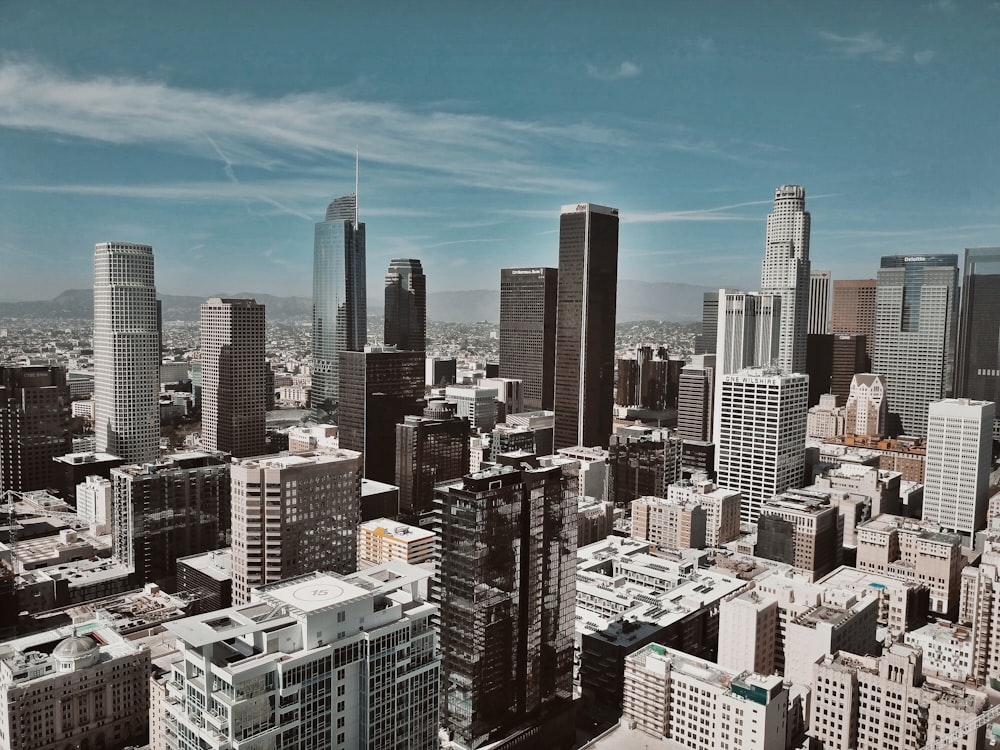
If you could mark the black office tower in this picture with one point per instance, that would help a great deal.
(430, 449)
(528, 331)
(585, 325)
(977, 373)
(406, 305)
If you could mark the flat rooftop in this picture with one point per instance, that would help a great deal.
(315, 594)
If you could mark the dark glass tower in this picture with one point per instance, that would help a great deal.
(406, 305)
(429, 449)
(34, 426)
(585, 325)
(977, 373)
(528, 331)
(340, 306)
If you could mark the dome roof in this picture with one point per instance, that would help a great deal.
(74, 646)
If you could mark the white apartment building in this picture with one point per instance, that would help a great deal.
(292, 515)
(382, 539)
(957, 469)
(762, 431)
(126, 352)
(75, 686)
(317, 661)
(93, 501)
(701, 705)
(748, 632)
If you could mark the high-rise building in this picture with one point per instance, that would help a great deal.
(338, 661)
(854, 309)
(406, 305)
(977, 374)
(642, 462)
(957, 471)
(695, 396)
(340, 303)
(34, 426)
(379, 387)
(916, 305)
(429, 449)
(801, 528)
(507, 595)
(762, 435)
(233, 377)
(867, 409)
(819, 301)
(585, 324)
(650, 380)
(749, 330)
(785, 272)
(293, 515)
(476, 403)
(126, 352)
(528, 331)
(705, 343)
(832, 359)
(175, 507)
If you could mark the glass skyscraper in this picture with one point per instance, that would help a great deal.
(340, 305)
(977, 373)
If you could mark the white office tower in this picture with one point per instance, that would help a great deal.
(957, 470)
(749, 330)
(785, 272)
(318, 661)
(761, 435)
(126, 352)
(293, 515)
(819, 301)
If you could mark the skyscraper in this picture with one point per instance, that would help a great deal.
(233, 376)
(977, 373)
(866, 406)
(957, 472)
(429, 449)
(528, 331)
(749, 330)
(34, 426)
(695, 399)
(819, 301)
(340, 303)
(854, 310)
(507, 594)
(762, 435)
(915, 330)
(293, 515)
(786, 270)
(585, 325)
(406, 305)
(126, 352)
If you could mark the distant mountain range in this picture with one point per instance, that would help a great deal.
(637, 300)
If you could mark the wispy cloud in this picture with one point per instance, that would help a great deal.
(866, 45)
(624, 69)
(702, 45)
(923, 57)
(279, 135)
(943, 5)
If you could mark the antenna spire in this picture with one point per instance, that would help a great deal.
(357, 167)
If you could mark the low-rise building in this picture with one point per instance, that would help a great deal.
(382, 539)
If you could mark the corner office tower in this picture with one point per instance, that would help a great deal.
(405, 324)
(126, 352)
(340, 302)
(786, 272)
(585, 325)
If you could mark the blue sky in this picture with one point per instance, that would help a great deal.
(218, 132)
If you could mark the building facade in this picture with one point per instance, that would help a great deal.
(977, 374)
(916, 309)
(786, 270)
(819, 301)
(340, 301)
(585, 325)
(854, 310)
(405, 324)
(528, 298)
(233, 377)
(34, 426)
(293, 515)
(126, 352)
(429, 449)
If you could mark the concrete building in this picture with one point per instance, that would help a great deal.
(34, 426)
(172, 508)
(585, 324)
(902, 605)
(702, 705)
(848, 625)
(383, 539)
(854, 310)
(233, 377)
(959, 457)
(76, 686)
(430, 449)
(126, 352)
(293, 515)
(642, 461)
(340, 302)
(722, 508)
(914, 551)
(749, 330)
(314, 661)
(762, 430)
(867, 410)
(867, 703)
(803, 529)
(695, 398)
(475, 403)
(510, 393)
(915, 330)
(786, 270)
(94, 502)
(528, 299)
(405, 319)
(908, 456)
(748, 632)
(669, 524)
(826, 419)
(819, 301)
(948, 649)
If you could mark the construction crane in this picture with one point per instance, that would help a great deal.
(987, 717)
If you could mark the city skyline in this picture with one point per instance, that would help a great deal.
(222, 159)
